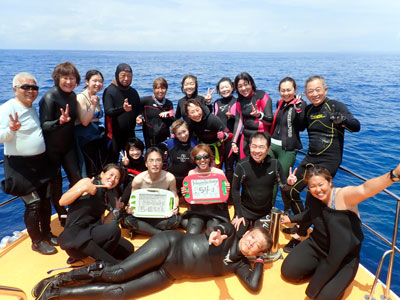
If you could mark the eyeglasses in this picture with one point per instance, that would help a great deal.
(26, 87)
(200, 157)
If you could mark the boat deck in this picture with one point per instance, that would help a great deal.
(22, 268)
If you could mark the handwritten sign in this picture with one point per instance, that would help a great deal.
(152, 203)
(205, 188)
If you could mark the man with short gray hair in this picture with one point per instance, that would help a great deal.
(26, 168)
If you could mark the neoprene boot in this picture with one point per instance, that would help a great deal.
(85, 274)
(93, 291)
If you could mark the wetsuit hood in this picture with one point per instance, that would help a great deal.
(123, 67)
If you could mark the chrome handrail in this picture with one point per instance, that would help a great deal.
(391, 244)
(12, 291)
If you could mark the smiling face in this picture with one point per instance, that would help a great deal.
(25, 92)
(154, 163)
(252, 243)
(259, 149)
(134, 152)
(316, 92)
(225, 89)
(94, 84)
(203, 160)
(287, 91)
(189, 86)
(182, 134)
(320, 188)
(110, 178)
(194, 112)
(160, 92)
(244, 88)
(67, 83)
(125, 78)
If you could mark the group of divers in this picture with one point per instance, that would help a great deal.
(106, 163)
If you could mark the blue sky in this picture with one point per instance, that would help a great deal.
(206, 25)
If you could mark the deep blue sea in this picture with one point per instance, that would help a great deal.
(367, 83)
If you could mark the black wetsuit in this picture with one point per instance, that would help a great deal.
(221, 107)
(166, 257)
(206, 132)
(85, 234)
(180, 108)
(155, 128)
(330, 256)
(59, 139)
(325, 148)
(135, 167)
(263, 103)
(257, 181)
(179, 162)
(120, 125)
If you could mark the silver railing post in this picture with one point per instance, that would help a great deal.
(274, 227)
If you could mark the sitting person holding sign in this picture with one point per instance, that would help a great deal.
(166, 257)
(199, 214)
(153, 178)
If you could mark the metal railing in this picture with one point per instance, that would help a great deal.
(392, 243)
(12, 291)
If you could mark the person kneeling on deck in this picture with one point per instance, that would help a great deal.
(330, 256)
(256, 175)
(154, 177)
(26, 166)
(167, 256)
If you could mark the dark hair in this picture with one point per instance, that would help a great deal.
(134, 142)
(246, 77)
(223, 79)
(90, 74)
(195, 83)
(151, 150)
(261, 135)
(290, 79)
(315, 77)
(194, 102)
(177, 124)
(266, 235)
(160, 81)
(64, 69)
(201, 147)
(317, 170)
(119, 168)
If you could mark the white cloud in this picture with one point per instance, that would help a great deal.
(309, 25)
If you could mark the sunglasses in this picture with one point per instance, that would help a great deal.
(199, 157)
(26, 87)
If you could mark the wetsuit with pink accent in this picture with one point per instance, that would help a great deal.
(244, 106)
(221, 108)
(155, 128)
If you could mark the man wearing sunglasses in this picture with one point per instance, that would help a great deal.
(26, 169)
(257, 175)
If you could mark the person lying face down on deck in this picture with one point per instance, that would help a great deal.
(166, 257)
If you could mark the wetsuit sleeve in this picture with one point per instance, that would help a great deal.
(281, 180)
(108, 103)
(238, 176)
(304, 216)
(178, 113)
(268, 115)
(225, 228)
(251, 278)
(300, 116)
(49, 118)
(350, 122)
(238, 124)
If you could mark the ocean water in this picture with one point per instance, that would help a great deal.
(368, 83)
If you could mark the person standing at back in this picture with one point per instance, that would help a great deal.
(121, 104)
(326, 120)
